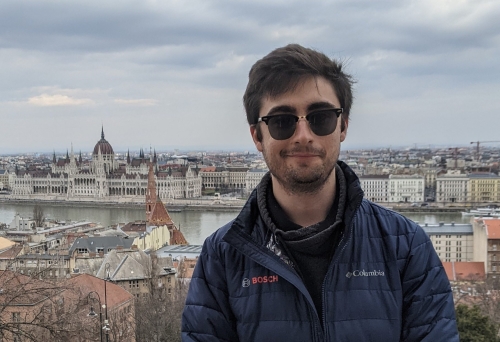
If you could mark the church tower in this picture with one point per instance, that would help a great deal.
(151, 191)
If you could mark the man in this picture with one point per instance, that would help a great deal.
(308, 259)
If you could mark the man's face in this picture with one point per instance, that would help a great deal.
(305, 161)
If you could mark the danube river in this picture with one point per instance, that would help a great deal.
(195, 225)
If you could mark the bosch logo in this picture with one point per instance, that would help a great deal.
(259, 280)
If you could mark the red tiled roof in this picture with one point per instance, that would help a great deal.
(492, 228)
(115, 295)
(12, 252)
(134, 227)
(464, 270)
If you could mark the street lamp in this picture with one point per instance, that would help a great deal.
(106, 327)
(92, 313)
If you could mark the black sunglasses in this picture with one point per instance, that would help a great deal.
(282, 126)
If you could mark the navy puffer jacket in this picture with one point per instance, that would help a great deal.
(385, 283)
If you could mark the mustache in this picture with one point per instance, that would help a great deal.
(303, 149)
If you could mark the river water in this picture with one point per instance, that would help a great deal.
(195, 225)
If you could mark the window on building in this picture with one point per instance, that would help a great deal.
(16, 317)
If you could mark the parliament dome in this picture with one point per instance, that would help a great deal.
(103, 145)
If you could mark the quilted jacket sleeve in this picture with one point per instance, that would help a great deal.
(207, 315)
(428, 311)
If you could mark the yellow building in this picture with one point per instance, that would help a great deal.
(484, 187)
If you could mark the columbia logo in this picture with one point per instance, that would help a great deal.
(364, 273)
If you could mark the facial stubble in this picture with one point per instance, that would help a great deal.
(303, 178)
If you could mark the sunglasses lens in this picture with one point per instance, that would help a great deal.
(282, 127)
(323, 123)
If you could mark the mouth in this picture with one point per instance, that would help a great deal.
(302, 153)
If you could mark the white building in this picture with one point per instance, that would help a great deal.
(452, 187)
(375, 187)
(224, 178)
(406, 188)
(104, 178)
(452, 242)
(20, 223)
(253, 178)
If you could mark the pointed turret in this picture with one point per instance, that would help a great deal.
(67, 156)
(128, 157)
(102, 132)
(154, 157)
(150, 192)
(54, 157)
(80, 160)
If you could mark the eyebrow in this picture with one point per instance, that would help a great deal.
(284, 109)
(320, 105)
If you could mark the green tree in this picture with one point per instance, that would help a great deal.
(473, 326)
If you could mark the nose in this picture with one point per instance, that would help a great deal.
(303, 133)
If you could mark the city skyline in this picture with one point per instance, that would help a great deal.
(172, 75)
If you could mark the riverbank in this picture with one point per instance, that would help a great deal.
(172, 205)
(223, 205)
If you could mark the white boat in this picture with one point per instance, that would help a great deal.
(481, 212)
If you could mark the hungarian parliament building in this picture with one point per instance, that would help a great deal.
(104, 178)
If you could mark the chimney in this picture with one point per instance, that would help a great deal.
(441, 223)
(101, 254)
(452, 223)
(92, 254)
(119, 248)
(133, 247)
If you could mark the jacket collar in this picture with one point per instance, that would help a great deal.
(256, 208)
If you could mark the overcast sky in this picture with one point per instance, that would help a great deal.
(171, 74)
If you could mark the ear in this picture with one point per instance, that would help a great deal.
(343, 127)
(256, 141)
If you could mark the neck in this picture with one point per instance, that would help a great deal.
(306, 209)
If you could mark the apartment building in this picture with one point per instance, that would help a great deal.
(452, 242)
(253, 178)
(487, 244)
(484, 187)
(375, 187)
(452, 187)
(406, 188)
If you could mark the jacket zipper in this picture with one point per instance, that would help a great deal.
(318, 333)
(330, 269)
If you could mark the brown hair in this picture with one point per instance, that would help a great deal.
(282, 69)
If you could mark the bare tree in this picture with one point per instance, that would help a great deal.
(38, 215)
(158, 314)
(30, 308)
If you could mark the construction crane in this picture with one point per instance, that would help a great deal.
(482, 142)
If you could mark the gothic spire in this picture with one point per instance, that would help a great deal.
(102, 132)
(54, 157)
(128, 156)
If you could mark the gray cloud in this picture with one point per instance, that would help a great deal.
(173, 73)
